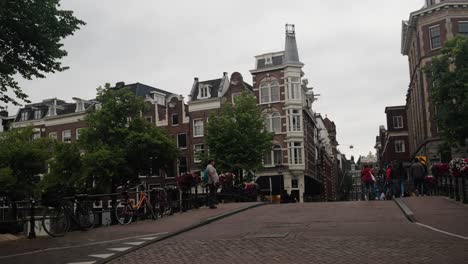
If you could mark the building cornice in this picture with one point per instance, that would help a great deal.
(409, 25)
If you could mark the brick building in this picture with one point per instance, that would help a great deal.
(206, 98)
(286, 103)
(395, 138)
(423, 36)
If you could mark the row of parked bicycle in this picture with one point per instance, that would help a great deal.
(77, 212)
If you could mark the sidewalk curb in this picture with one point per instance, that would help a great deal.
(406, 211)
(180, 231)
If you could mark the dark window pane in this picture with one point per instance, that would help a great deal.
(175, 119)
(182, 140)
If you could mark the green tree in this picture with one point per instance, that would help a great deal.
(22, 160)
(449, 93)
(31, 34)
(119, 143)
(236, 137)
(65, 170)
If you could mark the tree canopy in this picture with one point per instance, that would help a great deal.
(31, 34)
(119, 143)
(237, 138)
(449, 93)
(22, 160)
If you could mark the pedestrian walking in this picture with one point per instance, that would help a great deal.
(417, 173)
(213, 183)
(389, 187)
(400, 178)
(368, 181)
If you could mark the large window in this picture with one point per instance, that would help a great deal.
(197, 151)
(434, 34)
(273, 122)
(37, 114)
(269, 92)
(175, 119)
(160, 100)
(274, 156)
(24, 116)
(294, 88)
(399, 146)
(198, 128)
(66, 136)
(397, 122)
(463, 27)
(182, 165)
(182, 141)
(295, 150)
(53, 135)
(295, 118)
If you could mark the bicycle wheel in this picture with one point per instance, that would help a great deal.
(124, 213)
(55, 222)
(86, 216)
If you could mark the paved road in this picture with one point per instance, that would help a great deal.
(348, 232)
(79, 246)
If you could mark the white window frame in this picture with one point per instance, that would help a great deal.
(195, 134)
(267, 87)
(36, 135)
(149, 119)
(204, 91)
(433, 37)
(185, 141)
(295, 120)
(270, 156)
(172, 119)
(37, 114)
(295, 153)
(275, 116)
(234, 95)
(398, 122)
(295, 88)
(459, 27)
(63, 136)
(195, 151)
(24, 115)
(399, 146)
(160, 99)
(53, 135)
(186, 164)
(77, 135)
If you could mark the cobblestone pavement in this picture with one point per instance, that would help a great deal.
(440, 212)
(348, 232)
(77, 246)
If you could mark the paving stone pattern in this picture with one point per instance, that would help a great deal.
(349, 232)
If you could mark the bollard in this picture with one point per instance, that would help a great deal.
(465, 199)
(457, 189)
(32, 224)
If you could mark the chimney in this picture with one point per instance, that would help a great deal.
(196, 79)
(4, 113)
(119, 85)
(225, 73)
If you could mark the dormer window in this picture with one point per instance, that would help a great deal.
(37, 114)
(80, 106)
(204, 91)
(160, 99)
(268, 61)
(24, 116)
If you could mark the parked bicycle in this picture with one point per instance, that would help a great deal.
(126, 211)
(162, 202)
(76, 212)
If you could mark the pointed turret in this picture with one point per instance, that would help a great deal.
(291, 55)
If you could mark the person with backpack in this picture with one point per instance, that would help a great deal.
(417, 173)
(213, 183)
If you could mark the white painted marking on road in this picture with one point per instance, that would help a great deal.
(82, 245)
(148, 238)
(84, 262)
(119, 249)
(135, 243)
(103, 256)
(442, 231)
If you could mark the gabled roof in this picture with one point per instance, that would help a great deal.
(141, 90)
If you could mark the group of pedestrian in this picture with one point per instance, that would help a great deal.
(394, 181)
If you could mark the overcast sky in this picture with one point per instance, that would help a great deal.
(351, 51)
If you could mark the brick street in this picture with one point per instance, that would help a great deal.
(351, 232)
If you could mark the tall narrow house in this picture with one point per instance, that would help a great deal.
(286, 104)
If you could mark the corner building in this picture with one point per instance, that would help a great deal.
(423, 37)
(286, 104)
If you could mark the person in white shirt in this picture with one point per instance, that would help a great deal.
(213, 182)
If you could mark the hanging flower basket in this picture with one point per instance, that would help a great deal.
(459, 167)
